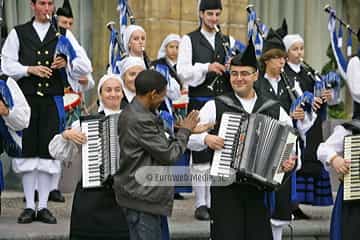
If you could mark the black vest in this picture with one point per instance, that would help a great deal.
(305, 81)
(265, 90)
(356, 110)
(202, 52)
(33, 52)
(353, 126)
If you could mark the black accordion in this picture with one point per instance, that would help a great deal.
(352, 179)
(255, 147)
(100, 154)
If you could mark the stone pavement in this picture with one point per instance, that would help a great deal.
(182, 223)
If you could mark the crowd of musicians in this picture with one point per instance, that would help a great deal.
(42, 138)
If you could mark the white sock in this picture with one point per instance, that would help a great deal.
(200, 195)
(277, 232)
(55, 179)
(208, 196)
(28, 181)
(44, 184)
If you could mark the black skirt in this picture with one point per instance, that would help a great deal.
(238, 212)
(96, 215)
(350, 220)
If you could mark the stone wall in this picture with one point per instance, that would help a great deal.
(161, 17)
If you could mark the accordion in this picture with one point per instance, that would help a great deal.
(255, 146)
(352, 180)
(100, 154)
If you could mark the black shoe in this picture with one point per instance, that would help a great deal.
(178, 196)
(36, 196)
(45, 216)
(201, 213)
(300, 215)
(55, 196)
(27, 216)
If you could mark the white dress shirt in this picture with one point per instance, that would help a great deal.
(334, 145)
(11, 66)
(353, 78)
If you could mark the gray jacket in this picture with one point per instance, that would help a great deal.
(143, 143)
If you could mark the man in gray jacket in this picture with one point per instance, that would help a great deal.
(144, 143)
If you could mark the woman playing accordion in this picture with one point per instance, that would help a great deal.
(94, 210)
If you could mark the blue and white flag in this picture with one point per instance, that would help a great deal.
(114, 53)
(65, 47)
(339, 56)
(123, 14)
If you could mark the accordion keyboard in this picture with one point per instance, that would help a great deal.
(221, 165)
(352, 180)
(91, 176)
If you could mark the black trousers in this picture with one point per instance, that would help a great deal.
(238, 212)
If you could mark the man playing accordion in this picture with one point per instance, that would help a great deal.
(238, 210)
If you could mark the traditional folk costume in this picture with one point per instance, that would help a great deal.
(276, 89)
(197, 50)
(32, 44)
(166, 66)
(11, 126)
(240, 209)
(313, 184)
(345, 215)
(94, 209)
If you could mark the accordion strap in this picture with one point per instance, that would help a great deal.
(268, 104)
(354, 125)
(230, 102)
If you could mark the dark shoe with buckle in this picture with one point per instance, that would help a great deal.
(178, 196)
(45, 216)
(56, 196)
(201, 213)
(300, 215)
(27, 216)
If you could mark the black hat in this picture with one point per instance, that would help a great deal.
(283, 30)
(273, 41)
(210, 5)
(65, 10)
(247, 58)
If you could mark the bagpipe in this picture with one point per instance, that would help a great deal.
(305, 101)
(328, 81)
(336, 39)
(117, 50)
(256, 29)
(63, 47)
(230, 52)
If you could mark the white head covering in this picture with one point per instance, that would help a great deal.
(127, 34)
(169, 38)
(124, 65)
(290, 39)
(102, 80)
(129, 62)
